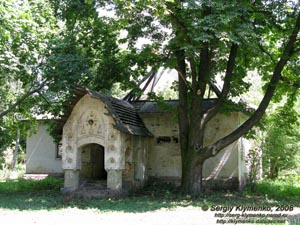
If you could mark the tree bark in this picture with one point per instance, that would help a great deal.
(183, 119)
(192, 173)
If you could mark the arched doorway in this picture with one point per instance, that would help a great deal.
(92, 162)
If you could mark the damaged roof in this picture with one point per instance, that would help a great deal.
(125, 115)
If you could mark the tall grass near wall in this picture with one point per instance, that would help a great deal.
(22, 185)
(286, 186)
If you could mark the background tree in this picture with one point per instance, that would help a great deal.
(46, 49)
(281, 140)
(26, 28)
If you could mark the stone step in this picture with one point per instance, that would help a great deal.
(89, 193)
(97, 189)
(93, 188)
(101, 184)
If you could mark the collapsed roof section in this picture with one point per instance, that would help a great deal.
(151, 80)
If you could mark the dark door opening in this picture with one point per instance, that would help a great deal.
(92, 162)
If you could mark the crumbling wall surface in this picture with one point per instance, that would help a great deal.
(137, 161)
(164, 157)
(225, 164)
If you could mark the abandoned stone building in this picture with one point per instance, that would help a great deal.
(127, 144)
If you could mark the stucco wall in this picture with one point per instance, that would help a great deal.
(41, 152)
(225, 164)
(164, 158)
(136, 154)
(244, 160)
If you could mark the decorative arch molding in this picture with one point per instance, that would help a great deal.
(91, 140)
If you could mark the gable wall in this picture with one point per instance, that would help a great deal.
(77, 132)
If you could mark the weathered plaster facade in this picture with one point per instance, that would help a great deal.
(41, 152)
(102, 139)
(228, 168)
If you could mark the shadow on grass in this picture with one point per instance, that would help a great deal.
(28, 195)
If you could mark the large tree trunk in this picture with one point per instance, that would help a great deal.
(192, 176)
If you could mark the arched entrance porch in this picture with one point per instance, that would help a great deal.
(97, 120)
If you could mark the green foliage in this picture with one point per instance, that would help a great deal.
(88, 47)
(161, 103)
(259, 30)
(284, 187)
(254, 158)
(6, 157)
(25, 186)
(26, 28)
(46, 49)
(281, 144)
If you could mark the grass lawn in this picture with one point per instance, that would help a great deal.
(40, 202)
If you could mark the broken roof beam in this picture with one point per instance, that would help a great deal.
(215, 88)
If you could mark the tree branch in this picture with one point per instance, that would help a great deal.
(43, 97)
(183, 101)
(23, 98)
(216, 147)
(204, 68)
(181, 27)
(266, 52)
(226, 86)
(194, 72)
